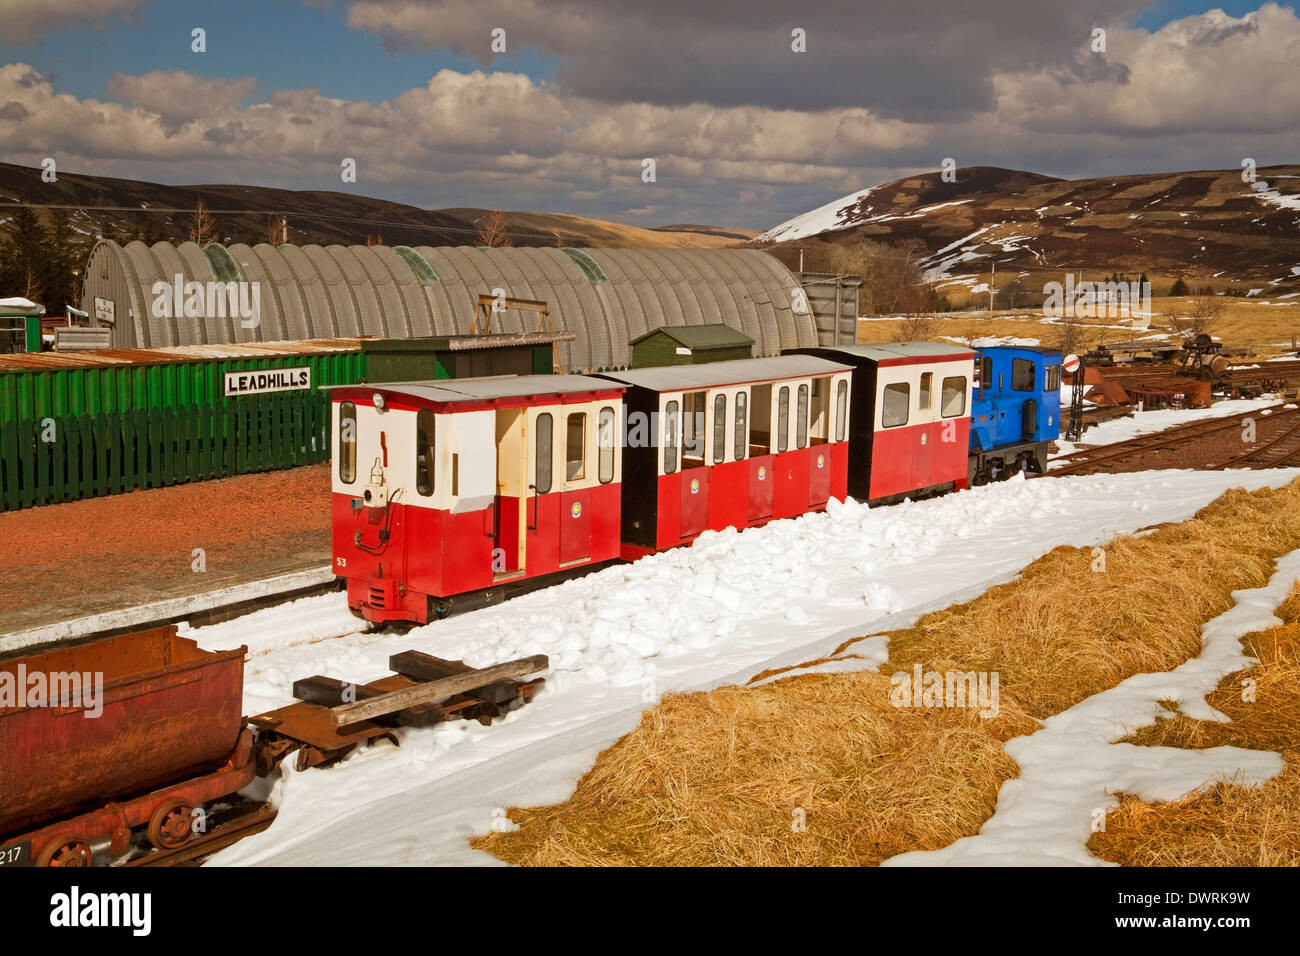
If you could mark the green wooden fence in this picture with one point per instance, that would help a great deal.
(81, 456)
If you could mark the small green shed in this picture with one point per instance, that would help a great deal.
(690, 345)
(20, 325)
(462, 356)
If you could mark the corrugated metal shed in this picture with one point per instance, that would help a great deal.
(606, 297)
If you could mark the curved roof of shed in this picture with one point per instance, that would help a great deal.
(606, 297)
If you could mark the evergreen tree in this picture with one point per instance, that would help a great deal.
(22, 257)
(1179, 287)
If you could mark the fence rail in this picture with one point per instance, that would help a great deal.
(81, 456)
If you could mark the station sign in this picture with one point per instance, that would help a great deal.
(262, 380)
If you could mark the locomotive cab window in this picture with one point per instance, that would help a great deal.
(1053, 379)
(841, 408)
(720, 429)
(425, 448)
(605, 438)
(953, 402)
(670, 438)
(986, 372)
(347, 442)
(1022, 375)
(545, 427)
(575, 445)
(894, 410)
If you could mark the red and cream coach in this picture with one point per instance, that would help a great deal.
(733, 444)
(469, 488)
(911, 417)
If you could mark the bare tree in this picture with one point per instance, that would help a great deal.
(918, 327)
(1203, 311)
(1070, 335)
(202, 228)
(277, 231)
(492, 230)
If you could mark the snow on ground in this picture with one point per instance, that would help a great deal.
(715, 613)
(1072, 769)
(1144, 423)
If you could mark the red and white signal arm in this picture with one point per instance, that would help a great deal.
(1070, 363)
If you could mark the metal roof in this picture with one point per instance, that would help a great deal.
(715, 335)
(490, 387)
(677, 378)
(606, 297)
(883, 352)
(93, 358)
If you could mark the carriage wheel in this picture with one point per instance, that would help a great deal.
(170, 825)
(66, 849)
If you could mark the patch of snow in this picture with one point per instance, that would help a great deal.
(1072, 769)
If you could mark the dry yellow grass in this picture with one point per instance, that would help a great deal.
(715, 778)
(1226, 824)
(1244, 323)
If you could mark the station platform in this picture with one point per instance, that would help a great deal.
(100, 557)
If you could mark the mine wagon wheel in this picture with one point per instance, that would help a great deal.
(66, 849)
(170, 825)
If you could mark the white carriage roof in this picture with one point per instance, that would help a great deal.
(894, 350)
(677, 378)
(496, 386)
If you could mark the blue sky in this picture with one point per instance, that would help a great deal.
(287, 45)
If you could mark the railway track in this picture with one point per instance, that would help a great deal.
(1269, 454)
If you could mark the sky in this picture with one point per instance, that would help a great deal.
(743, 129)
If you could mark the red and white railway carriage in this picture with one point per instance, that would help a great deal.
(471, 485)
(730, 444)
(911, 417)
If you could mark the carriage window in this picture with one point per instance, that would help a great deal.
(783, 419)
(898, 397)
(719, 428)
(801, 420)
(605, 442)
(1022, 375)
(923, 396)
(545, 426)
(347, 442)
(670, 438)
(742, 427)
(575, 445)
(841, 408)
(1053, 379)
(424, 451)
(953, 402)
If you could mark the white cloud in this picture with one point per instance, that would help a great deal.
(27, 21)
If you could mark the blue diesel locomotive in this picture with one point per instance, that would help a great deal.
(1015, 411)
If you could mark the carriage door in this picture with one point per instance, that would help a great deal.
(510, 521)
(926, 434)
(819, 433)
(575, 502)
(761, 476)
(694, 515)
